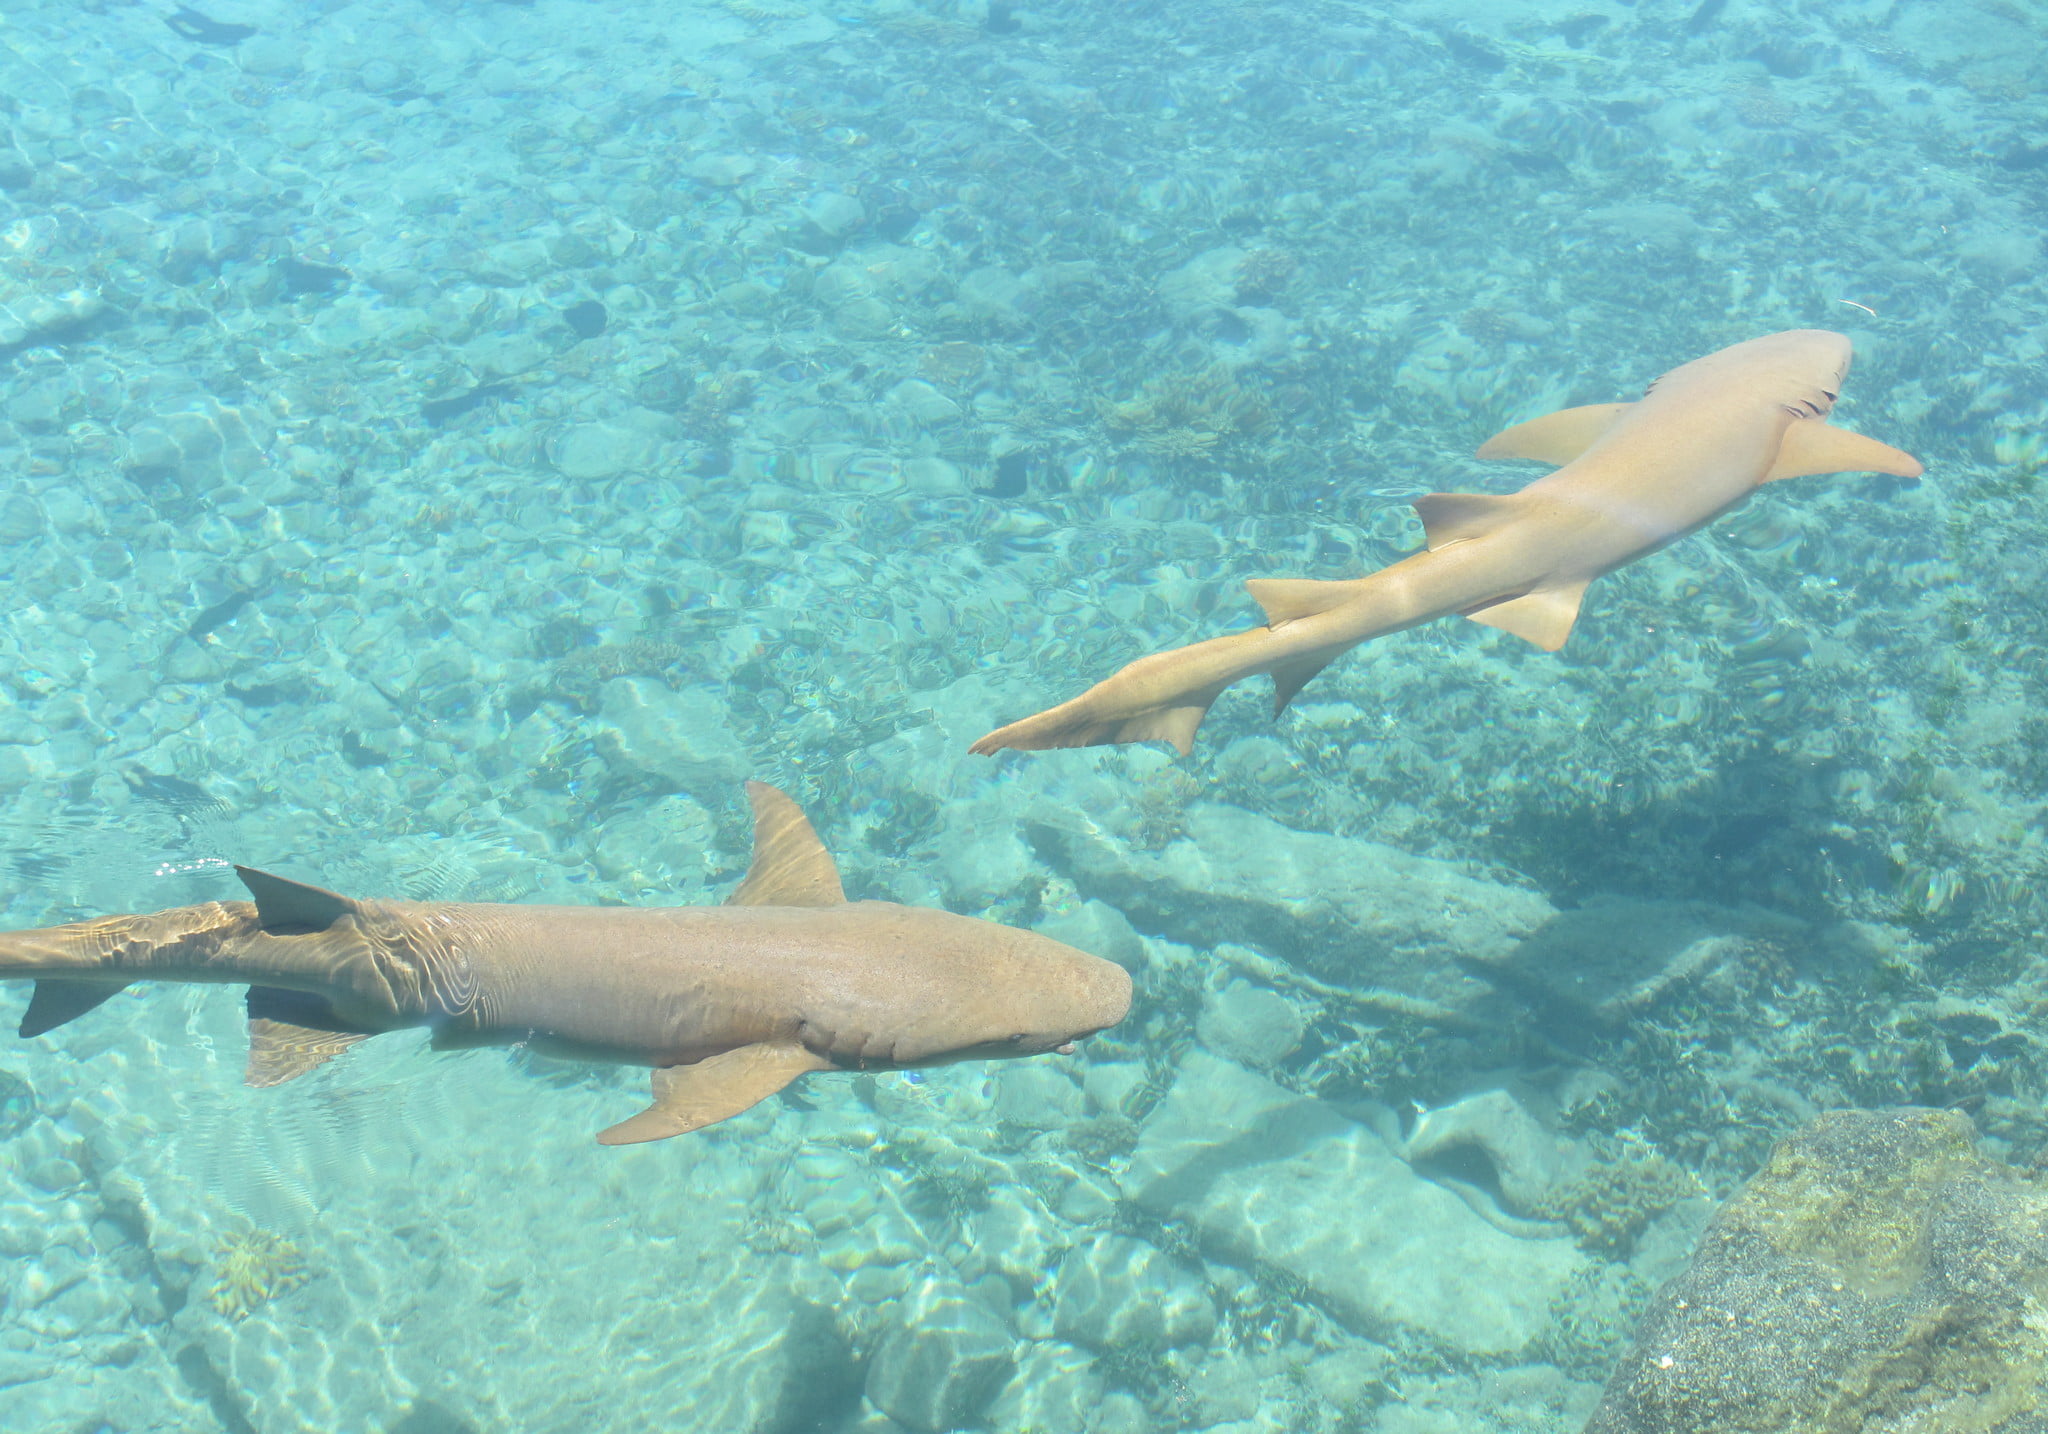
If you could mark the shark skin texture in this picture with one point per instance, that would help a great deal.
(727, 1003)
(1630, 478)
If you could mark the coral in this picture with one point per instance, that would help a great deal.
(254, 1267)
(1611, 1203)
(1185, 415)
(1261, 273)
(578, 678)
(1159, 806)
(951, 365)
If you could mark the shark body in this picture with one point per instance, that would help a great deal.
(727, 1003)
(1634, 477)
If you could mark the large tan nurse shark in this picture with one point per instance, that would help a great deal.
(728, 1003)
(1635, 477)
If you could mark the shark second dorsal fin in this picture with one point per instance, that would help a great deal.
(1456, 517)
(688, 1098)
(1813, 446)
(1543, 617)
(791, 866)
(1556, 438)
(1290, 599)
(291, 908)
(56, 1001)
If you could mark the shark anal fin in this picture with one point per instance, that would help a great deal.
(290, 908)
(1556, 438)
(1459, 517)
(56, 1001)
(791, 866)
(1290, 599)
(688, 1098)
(1813, 446)
(1290, 677)
(1543, 617)
(290, 1033)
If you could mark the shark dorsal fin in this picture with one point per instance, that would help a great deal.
(1544, 617)
(1456, 517)
(1291, 599)
(1813, 446)
(1556, 438)
(791, 866)
(292, 908)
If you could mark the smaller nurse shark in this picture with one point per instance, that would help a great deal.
(729, 1003)
(1634, 477)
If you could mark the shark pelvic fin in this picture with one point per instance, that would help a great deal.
(292, 908)
(1543, 617)
(1457, 517)
(791, 866)
(56, 1001)
(1556, 438)
(290, 1033)
(1813, 446)
(688, 1098)
(1289, 599)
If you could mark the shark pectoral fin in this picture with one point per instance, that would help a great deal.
(688, 1098)
(1456, 517)
(280, 1051)
(56, 1001)
(1289, 599)
(1543, 617)
(1556, 438)
(292, 908)
(290, 1033)
(1814, 446)
(791, 866)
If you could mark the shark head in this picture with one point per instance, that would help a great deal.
(1052, 996)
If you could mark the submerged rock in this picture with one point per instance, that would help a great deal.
(1878, 1274)
(1284, 1185)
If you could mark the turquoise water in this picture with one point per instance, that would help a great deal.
(450, 446)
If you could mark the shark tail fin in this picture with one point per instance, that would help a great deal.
(688, 1098)
(791, 866)
(1457, 517)
(57, 1000)
(1556, 438)
(1289, 599)
(1543, 617)
(1813, 446)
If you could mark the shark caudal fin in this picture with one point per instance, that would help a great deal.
(688, 1098)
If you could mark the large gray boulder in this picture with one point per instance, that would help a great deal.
(1878, 1275)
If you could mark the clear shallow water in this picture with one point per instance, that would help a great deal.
(336, 548)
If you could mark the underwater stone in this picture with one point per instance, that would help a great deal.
(941, 1362)
(1055, 1388)
(1272, 1180)
(1352, 911)
(1099, 929)
(1036, 1096)
(1525, 1157)
(1115, 1292)
(834, 215)
(600, 450)
(679, 736)
(1878, 1274)
(1250, 1025)
(21, 518)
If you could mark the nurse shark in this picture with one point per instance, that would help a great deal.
(1634, 477)
(727, 1003)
